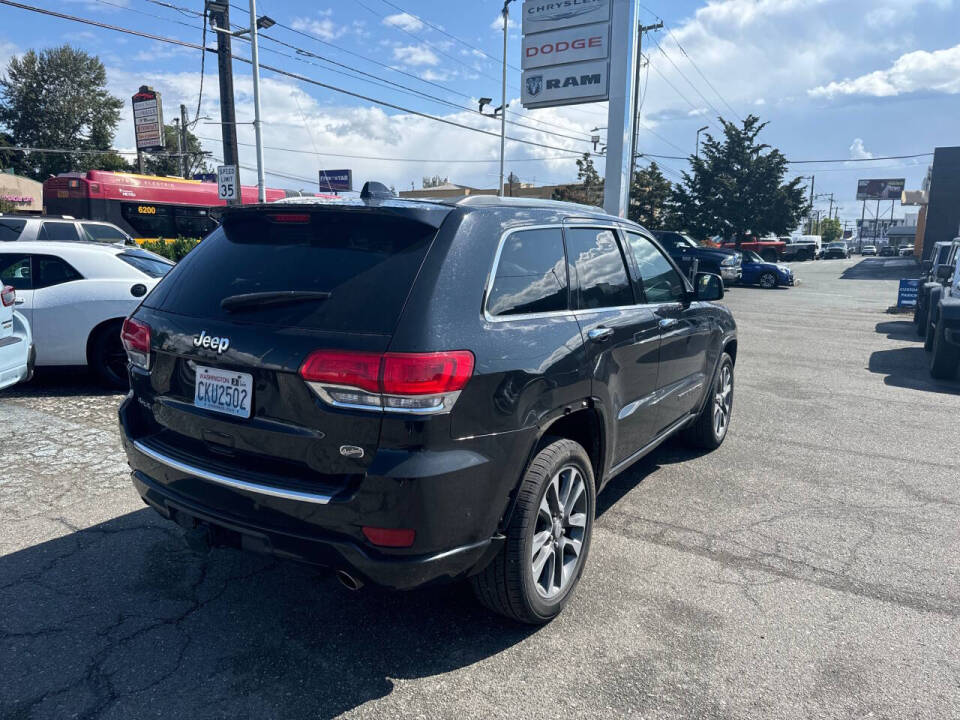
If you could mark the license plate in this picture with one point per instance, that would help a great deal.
(223, 391)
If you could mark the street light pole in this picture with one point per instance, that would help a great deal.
(703, 129)
(503, 104)
(258, 131)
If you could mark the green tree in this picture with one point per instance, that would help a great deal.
(170, 164)
(830, 230)
(651, 198)
(736, 187)
(590, 189)
(57, 98)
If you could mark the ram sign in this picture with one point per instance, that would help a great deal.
(566, 84)
(881, 189)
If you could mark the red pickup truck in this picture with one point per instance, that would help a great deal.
(769, 249)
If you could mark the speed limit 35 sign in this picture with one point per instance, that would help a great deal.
(227, 186)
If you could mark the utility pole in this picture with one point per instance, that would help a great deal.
(182, 144)
(830, 212)
(863, 220)
(813, 182)
(705, 127)
(220, 18)
(636, 100)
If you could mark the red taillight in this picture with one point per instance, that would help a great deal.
(387, 537)
(351, 369)
(136, 341)
(290, 218)
(8, 296)
(397, 382)
(426, 373)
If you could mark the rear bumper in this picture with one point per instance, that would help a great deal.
(453, 499)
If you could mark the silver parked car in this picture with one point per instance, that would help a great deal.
(62, 228)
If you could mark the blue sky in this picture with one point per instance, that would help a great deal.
(836, 79)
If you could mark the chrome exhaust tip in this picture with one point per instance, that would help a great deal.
(348, 580)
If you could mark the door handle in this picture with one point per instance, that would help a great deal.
(668, 323)
(19, 301)
(600, 334)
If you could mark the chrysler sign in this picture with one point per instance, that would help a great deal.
(544, 15)
(590, 42)
(566, 84)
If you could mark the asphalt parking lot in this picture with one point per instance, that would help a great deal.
(809, 568)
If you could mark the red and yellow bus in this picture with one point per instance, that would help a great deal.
(145, 206)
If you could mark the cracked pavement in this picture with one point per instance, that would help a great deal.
(809, 568)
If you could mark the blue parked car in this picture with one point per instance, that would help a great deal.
(757, 271)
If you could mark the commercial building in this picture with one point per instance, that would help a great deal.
(24, 194)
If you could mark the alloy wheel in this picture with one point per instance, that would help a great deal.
(559, 532)
(767, 280)
(723, 401)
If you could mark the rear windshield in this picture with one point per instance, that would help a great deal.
(366, 262)
(146, 262)
(11, 228)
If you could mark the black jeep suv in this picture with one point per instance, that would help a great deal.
(410, 392)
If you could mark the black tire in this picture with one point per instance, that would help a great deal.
(507, 585)
(933, 302)
(705, 432)
(108, 359)
(945, 357)
(768, 280)
(769, 256)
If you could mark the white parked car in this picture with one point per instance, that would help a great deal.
(16, 341)
(75, 296)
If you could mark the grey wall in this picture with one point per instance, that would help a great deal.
(943, 213)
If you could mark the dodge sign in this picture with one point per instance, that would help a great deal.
(566, 84)
(590, 42)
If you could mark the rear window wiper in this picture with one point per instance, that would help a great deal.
(279, 297)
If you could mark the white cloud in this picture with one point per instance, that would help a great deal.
(323, 27)
(404, 21)
(497, 24)
(858, 151)
(937, 71)
(417, 55)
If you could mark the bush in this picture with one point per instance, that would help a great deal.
(174, 250)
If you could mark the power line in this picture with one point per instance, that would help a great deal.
(860, 160)
(79, 151)
(695, 88)
(279, 71)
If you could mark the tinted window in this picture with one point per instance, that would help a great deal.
(366, 261)
(601, 276)
(103, 233)
(661, 283)
(151, 221)
(15, 271)
(11, 228)
(58, 231)
(532, 274)
(49, 270)
(147, 263)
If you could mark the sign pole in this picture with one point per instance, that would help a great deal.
(621, 116)
(257, 122)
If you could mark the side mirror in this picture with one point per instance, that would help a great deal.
(944, 272)
(707, 287)
(926, 266)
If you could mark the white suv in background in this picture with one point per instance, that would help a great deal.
(75, 296)
(16, 341)
(63, 228)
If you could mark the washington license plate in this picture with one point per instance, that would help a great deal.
(224, 391)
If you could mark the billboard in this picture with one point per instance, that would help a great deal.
(566, 52)
(881, 189)
(148, 119)
(540, 16)
(336, 180)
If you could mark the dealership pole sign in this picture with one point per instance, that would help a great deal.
(336, 180)
(148, 120)
(566, 52)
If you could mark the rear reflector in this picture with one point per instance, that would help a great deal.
(8, 295)
(386, 537)
(136, 341)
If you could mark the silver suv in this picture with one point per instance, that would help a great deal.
(62, 228)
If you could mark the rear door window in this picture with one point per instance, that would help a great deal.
(598, 265)
(366, 262)
(146, 262)
(58, 231)
(50, 270)
(531, 274)
(10, 228)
